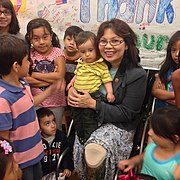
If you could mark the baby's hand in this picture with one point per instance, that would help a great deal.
(126, 165)
(67, 172)
(110, 97)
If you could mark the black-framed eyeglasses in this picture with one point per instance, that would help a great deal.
(5, 12)
(112, 42)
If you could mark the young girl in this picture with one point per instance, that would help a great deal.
(162, 88)
(48, 64)
(176, 84)
(8, 19)
(90, 73)
(9, 169)
(162, 155)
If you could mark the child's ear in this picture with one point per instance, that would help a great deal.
(177, 138)
(15, 66)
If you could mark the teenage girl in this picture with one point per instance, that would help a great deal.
(8, 19)
(48, 64)
(162, 88)
(9, 169)
(162, 155)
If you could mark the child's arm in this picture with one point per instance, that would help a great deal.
(4, 134)
(126, 165)
(109, 89)
(51, 77)
(158, 90)
(36, 83)
(177, 172)
(53, 88)
(71, 83)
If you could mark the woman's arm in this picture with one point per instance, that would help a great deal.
(123, 112)
(158, 90)
(51, 77)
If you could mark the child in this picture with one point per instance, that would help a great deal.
(163, 154)
(176, 84)
(71, 54)
(48, 64)
(70, 51)
(90, 73)
(9, 169)
(162, 88)
(54, 143)
(18, 120)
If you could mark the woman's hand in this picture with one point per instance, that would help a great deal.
(80, 99)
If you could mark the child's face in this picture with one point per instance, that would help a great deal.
(160, 141)
(41, 40)
(48, 126)
(87, 52)
(5, 18)
(13, 172)
(70, 45)
(175, 51)
(24, 68)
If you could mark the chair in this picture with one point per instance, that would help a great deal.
(63, 153)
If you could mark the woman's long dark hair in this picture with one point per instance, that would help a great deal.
(131, 56)
(14, 25)
(169, 63)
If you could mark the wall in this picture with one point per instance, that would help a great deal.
(154, 21)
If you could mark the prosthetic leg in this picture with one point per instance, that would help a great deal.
(95, 158)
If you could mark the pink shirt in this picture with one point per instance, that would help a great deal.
(46, 64)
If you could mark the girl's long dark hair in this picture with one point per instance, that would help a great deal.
(169, 63)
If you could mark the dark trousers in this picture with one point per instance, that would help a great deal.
(32, 172)
(85, 120)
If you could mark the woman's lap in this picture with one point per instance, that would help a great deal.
(116, 141)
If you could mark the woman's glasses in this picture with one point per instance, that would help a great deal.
(5, 12)
(112, 42)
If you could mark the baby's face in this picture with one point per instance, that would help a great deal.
(87, 51)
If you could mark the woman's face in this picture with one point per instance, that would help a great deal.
(112, 53)
(5, 19)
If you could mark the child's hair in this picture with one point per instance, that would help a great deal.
(165, 122)
(37, 23)
(12, 49)
(84, 36)
(72, 31)
(42, 112)
(6, 154)
(14, 25)
(168, 62)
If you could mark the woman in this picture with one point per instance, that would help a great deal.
(113, 139)
(8, 20)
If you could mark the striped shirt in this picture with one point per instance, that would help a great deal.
(90, 76)
(46, 64)
(18, 116)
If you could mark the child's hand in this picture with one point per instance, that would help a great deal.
(67, 173)
(126, 165)
(57, 86)
(110, 97)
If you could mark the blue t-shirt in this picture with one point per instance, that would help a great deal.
(162, 170)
